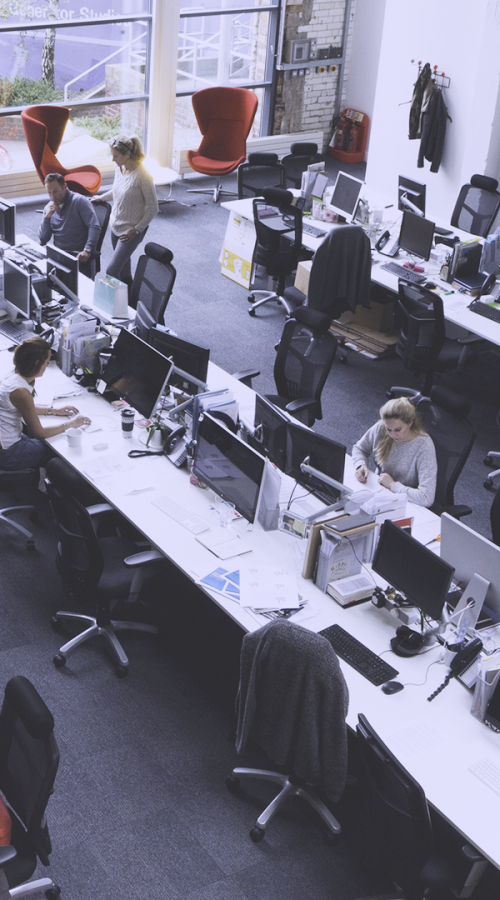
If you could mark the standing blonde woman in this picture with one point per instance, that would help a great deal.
(134, 204)
(403, 451)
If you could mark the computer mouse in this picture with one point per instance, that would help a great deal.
(392, 687)
(430, 285)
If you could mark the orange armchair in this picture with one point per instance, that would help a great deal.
(224, 116)
(44, 128)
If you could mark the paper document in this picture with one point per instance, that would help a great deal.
(268, 587)
(223, 543)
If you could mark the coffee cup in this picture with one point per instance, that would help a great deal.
(128, 416)
(74, 436)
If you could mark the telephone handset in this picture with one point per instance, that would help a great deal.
(174, 448)
(387, 245)
(462, 659)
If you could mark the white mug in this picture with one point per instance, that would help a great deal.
(74, 436)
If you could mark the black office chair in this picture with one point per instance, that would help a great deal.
(477, 205)
(276, 251)
(292, 701)
(29, 758)
(495, 518)
(445, 417)
(95, 569)
(304, 358)
(422, 343)
(262, 170)
(302, 154)
(417, 854)
(491, 459)
(151, 288)
(103, 212)
(10, 482)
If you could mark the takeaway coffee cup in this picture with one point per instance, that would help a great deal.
(128, 416)
(74, 436)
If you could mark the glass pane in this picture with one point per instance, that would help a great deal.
(57, 65)
(195, 5)
(44, 10)
(85, 140)
(227, 50)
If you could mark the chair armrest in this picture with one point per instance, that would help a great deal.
(246, 376)
(471, 854)
(7, 852)
(413, 395)
(298, 405)
(99, 508)
(144, 558)
(458, 511)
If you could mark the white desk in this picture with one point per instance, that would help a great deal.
(436, 741)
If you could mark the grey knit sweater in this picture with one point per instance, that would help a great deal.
(412, 464)
(292, 700)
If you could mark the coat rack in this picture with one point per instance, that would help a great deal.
(441, 80)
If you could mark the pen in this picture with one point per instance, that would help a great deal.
(389, 205)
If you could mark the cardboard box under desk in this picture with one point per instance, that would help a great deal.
(377, 317)
(376, 343)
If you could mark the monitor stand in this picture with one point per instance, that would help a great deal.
(476, 592)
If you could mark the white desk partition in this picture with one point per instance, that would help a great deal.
(436, 741)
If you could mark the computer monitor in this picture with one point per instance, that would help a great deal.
(65, 266)
(416, 235)
(470, 553)
(413, 569)
(191, 358)
(269, 437)
(324, 454)
(137, 372)
(17, 288)
(411, 196)
(229, 466)
(346, 195)
(7, 221)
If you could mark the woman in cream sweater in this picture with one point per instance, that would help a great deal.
(134, 204)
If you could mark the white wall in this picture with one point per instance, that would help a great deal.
(464, 42)
(361, 80)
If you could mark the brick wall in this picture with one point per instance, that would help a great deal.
(307, 103)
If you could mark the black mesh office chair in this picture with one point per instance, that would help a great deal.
(151, 288)
(261, 170)
(278, 246)
(445, 417)
(302, 154)
(420, 856)
(103, 212)
(99, 570)
(292, 701)
(495, 518)
(10, 482)
(304, 358)
(422, 343)
(29, 758)
(491, 459)
(477, 205)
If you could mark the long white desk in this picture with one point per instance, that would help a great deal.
(436, 741)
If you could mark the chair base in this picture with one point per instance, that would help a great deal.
(288, 789)
(4, 517)
(267, 297)
(493, 456)
(94, 629)
(45, 885)
(216, 191)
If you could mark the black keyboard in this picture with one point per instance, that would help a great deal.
(312, 230)
(352, 651)
(483, 309)
(403, 273)
(16, 333)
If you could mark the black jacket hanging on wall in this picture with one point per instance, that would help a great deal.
(419, 88)
(433, 132)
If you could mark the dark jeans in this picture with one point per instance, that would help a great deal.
(26, 453)
(119, 265)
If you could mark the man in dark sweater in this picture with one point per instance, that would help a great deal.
(70, 221)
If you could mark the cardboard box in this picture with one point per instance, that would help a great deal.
(377, 316)
(302, 275)
(374, 343)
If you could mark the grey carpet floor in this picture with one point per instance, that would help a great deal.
(140, 808)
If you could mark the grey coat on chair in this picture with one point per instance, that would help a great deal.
(341, 272)
(293, 700)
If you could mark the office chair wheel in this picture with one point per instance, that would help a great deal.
(251, 311)
(53, 893)
(35, 518)
(251, 298)
(57, 625)
(488, 484)
(59, 661)
(488, 461)
(232, 783)
(30, 545)
(257, 834)
(121, 671)
(330, 838)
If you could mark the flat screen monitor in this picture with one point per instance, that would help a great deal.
(65, 265)
(137, 372)
(346, 195)
(416, 235)
(229, 466)
(470, 553)
(324, 454)
(411, 196)
(7, 222)
(413, 569)
(269, 436)
(17, 288)
(193, 360)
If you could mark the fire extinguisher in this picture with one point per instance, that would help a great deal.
(341, 136)
(353, 140)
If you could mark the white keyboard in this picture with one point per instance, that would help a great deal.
(195, 524)
(488, 773)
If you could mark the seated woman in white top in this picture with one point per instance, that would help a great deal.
(134, 204)
(403, 451)
(17, 451)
